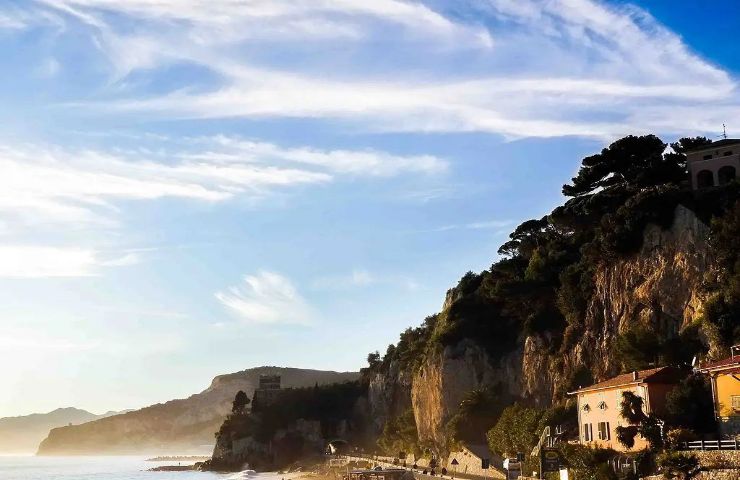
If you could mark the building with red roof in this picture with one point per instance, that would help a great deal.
(599, 404)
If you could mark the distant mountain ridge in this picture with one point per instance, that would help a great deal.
(22, 434)
(177, 426)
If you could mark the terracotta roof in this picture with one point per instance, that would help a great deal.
(720, 364)
(652, 375)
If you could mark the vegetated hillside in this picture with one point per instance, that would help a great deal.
(633, 270)
(296, 425)
(178, 426)
(22, 434)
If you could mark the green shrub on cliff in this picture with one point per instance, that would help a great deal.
(722, 312)
(519, 427)
(476, 414)
(400, 435)
(515, 431)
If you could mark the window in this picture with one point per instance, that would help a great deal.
(704, 179)
(602, 405)
(736, 402)
(708, 157)
(604, 431)
(588, 432)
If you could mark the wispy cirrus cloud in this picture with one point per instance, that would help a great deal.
(266, 298)
(44, 187)
(31, 261)
(587, 67)
(481, 225)
(49, 184)
(368, 163)
(360, 278)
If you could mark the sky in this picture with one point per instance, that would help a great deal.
(194, 187)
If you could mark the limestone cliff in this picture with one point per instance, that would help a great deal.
(446, 376)
(659, 287)
(389, 395)
(300, 439)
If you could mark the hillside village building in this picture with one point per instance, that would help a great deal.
(268, 390)
(715, 164)
(725, 377)
(599, 404)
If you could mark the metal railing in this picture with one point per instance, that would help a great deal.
(712, 445)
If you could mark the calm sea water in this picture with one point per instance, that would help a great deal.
(103, 468)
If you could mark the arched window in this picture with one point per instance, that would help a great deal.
(726, 174)
(704, 179)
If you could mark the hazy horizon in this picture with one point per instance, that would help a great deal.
(189, 189)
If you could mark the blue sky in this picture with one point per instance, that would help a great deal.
(195, 187)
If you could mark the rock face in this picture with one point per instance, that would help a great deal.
(389, 395)
(178, 426)
(302, 439)
(441, 383)
(659, 288)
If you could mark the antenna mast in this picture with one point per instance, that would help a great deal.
(724, 131)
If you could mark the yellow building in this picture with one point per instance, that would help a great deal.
(725, 377)
(599, 404)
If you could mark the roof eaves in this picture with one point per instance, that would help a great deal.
(594, 388)
(714, 145)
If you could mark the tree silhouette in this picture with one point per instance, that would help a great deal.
(240, 402)
(629, 162)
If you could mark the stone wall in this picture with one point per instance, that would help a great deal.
(719, 459)
(724, 474)
(716, 465)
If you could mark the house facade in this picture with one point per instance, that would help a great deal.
(725, 378)
(470, 459)
(715, 164)
(599, 404)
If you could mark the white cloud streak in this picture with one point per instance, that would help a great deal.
(356, 163)
(361, 278)
(266, 298)
(54, 185)
(482, 225)
(563, 67)
(30, 261)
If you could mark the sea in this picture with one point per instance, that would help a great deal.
(106, 468)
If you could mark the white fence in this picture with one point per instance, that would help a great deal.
(712, 445)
